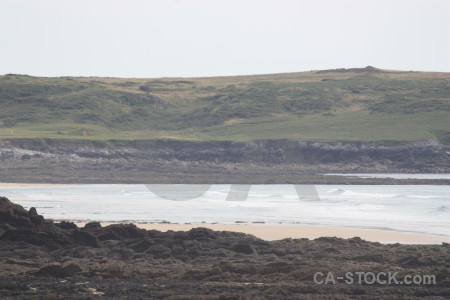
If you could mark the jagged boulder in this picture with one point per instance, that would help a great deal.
(116, 231)
(85, 238)
(18, 217)
(58, 271)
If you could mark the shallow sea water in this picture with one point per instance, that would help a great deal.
(421, 209)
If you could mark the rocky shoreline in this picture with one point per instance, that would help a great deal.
(42, 259)
(281, 161)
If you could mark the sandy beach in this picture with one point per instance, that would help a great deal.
(278, 232)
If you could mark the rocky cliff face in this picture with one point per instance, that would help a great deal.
(134, 160)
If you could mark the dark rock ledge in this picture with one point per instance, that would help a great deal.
(40, 259)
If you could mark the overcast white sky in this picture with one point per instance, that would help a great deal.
(171, 38)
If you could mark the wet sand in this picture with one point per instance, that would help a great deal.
(278, 232)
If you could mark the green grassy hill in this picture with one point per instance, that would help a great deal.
(334, 105)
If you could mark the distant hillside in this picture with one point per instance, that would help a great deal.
(365, 104)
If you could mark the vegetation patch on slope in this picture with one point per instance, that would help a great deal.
(365, 104)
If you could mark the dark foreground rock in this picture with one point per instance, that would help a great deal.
(43, 260)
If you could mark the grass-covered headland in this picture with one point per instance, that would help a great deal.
(335, 105)
(281, 128)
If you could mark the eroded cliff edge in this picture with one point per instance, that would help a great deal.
(269, 161)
